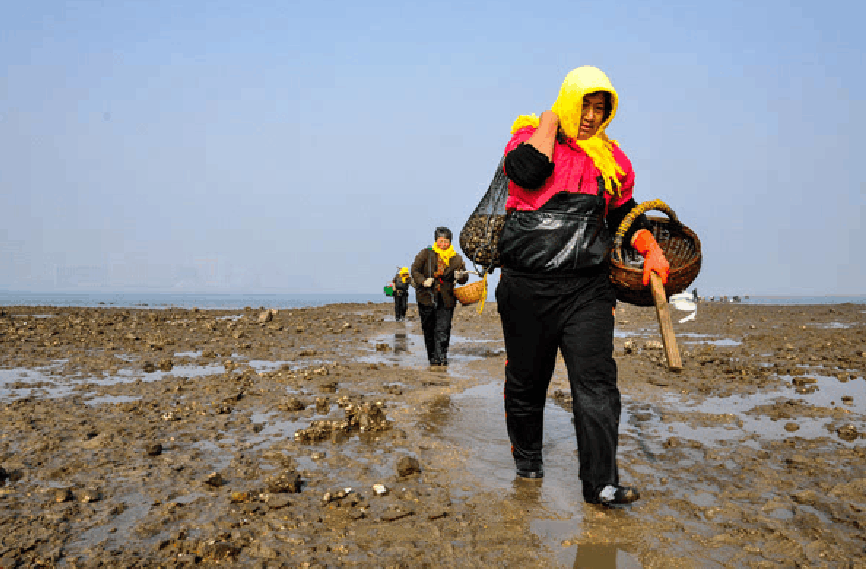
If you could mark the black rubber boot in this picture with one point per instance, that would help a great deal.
(531, 474)
(610, 495)
(529, 469)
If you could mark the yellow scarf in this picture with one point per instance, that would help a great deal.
(445, 254)
(404, 274)
(568, 105)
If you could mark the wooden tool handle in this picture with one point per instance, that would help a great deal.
(667, 329)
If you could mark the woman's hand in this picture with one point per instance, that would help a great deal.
(654, 258)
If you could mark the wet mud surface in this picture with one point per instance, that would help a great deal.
(318, 437)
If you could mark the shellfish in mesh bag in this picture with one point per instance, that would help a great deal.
(479, 238)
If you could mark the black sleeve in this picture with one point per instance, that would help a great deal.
(615, 217)
(527, 167)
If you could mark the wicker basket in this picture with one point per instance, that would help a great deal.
(471, 293)
(681, 247)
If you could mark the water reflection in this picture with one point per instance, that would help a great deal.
(596, 555)
(528, 492)
(401, 342)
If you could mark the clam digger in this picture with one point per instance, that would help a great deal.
(402, 280)
(569, 185)
(434, 272)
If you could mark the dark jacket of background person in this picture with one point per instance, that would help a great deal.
(425, 265)
(400, 287)
(401, 293)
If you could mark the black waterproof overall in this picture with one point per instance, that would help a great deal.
(401, 298)
(401, 304)
(555, 294)
(436, 324)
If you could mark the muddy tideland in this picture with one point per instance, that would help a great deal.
(319, 437)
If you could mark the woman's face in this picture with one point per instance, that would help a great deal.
(591, 115)
(443, 242)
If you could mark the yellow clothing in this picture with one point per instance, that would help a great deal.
(445, 254)
(568, 106)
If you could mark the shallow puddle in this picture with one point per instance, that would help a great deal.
(116, 533)
(16, 383)
(407, 349)
(629, 334)
(111, 399)
(264, 366)
(49, 383)
(693, 338)
(476, 424)
(276, 428)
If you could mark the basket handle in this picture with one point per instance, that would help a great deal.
(638, 210)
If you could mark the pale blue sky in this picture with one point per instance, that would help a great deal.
(313, 146)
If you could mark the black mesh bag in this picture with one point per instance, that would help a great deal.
(479, 238)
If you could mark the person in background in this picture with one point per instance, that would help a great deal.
(434, 272)
(570, 188)
(401, 294)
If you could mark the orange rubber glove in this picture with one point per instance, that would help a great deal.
(654, 259)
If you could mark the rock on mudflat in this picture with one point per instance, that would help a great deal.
(408, 465)
(63, 495)
(805, 497)
(153, 450)
(286, 483)
(214, 479)
(336, 496)
(275, 501)
(848, 433)
(323, 405)
(239, 497)
(292, 404)
(89, 495)
(219, 550)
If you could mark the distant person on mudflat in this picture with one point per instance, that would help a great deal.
(434, 272)
(570, 188)
(401, 294)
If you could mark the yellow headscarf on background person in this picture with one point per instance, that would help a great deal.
(568, 105)
(445, 254)
(404, 274)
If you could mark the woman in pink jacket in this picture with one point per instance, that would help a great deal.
(570, 187)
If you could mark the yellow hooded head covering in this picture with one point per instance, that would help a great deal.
(404, 274)
(568, 106)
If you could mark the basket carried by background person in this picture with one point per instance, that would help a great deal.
(681, 247)
(469, 294)
(389, 289)
(473, 292)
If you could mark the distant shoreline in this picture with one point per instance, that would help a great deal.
(237, 301)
